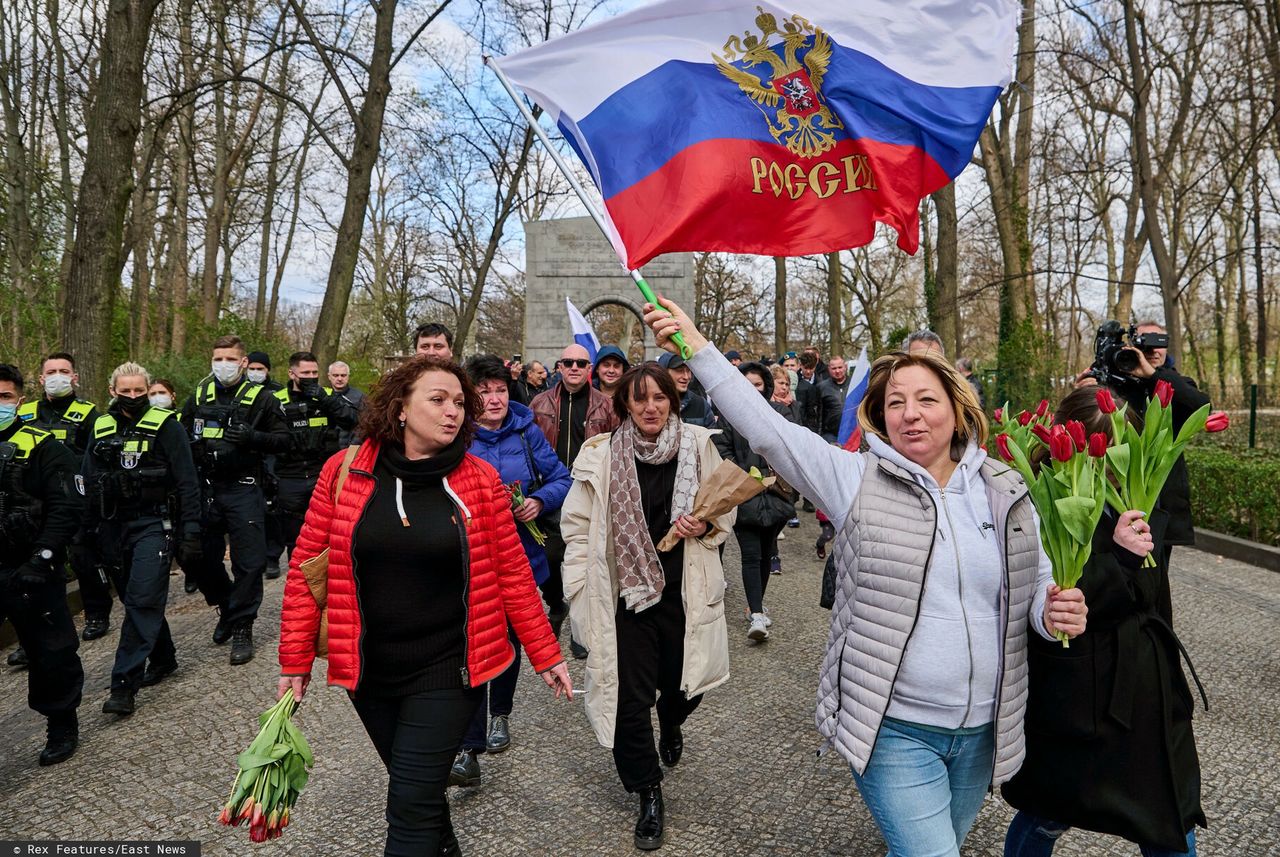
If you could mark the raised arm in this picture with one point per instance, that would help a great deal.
(826, 474)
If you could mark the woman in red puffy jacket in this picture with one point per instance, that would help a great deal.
(425, 571)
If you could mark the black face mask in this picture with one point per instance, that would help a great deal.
(309, 386)
(133, 404)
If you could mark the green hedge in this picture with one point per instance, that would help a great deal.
(1236, 491)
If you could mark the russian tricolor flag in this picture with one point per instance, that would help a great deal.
(583, 333)
(772, 129)
(850, 435)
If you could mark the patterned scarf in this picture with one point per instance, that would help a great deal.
(640, 578)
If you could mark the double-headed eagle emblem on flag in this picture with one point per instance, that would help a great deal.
(793, 88)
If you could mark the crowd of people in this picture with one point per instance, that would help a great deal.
(462, 511)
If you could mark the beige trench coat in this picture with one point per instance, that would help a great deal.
(591, 586)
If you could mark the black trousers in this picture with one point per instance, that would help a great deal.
(553, 587)
(95, 592)
(650, 663)
(757, 545)
(293, 495)
(238, 512)
(40, 617)
(417, 737)
(499, 698)
(145, 580)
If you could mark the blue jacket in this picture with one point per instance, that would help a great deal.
(507, 452)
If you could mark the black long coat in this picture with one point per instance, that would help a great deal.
(1108, 724)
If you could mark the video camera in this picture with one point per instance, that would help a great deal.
(1113, 362)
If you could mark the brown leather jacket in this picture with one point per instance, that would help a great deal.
(546, 413)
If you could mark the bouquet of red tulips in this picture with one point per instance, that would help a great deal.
(516, 492)
(273, 772)
(1068, 490)
(1141, 460)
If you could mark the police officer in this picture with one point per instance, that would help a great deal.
(315, 416)
(40, 511)
(69, 419)
(233, 423)
(138, 460)
(259, 372)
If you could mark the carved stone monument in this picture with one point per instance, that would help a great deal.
(571, 258)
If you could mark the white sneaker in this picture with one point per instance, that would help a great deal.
(759, 631)
(768, 623)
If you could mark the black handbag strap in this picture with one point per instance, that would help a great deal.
(533, 466)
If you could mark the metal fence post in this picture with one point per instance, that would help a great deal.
(1253, 415)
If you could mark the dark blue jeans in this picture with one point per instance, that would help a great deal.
(145, 574)
(417, 737)
(1032, 836)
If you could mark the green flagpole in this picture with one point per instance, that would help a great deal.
(636, 274)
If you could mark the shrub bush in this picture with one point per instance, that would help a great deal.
(1236, 491)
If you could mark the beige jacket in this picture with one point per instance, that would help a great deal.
(591, 586)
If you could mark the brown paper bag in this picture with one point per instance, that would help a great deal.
(726, 488)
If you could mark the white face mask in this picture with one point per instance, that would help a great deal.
(226, 372)
(57, 386)
(161, 400)
(257, 376)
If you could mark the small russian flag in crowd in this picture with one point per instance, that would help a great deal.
(850, 436)
(582, 332)
(782, 130)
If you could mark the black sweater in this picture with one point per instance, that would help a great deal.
(411, 581)
(657, 484)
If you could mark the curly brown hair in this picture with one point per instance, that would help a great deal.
(380, 419)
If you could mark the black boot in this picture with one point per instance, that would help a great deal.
(449, 845)
(17, 658)
(121, 702)
(272, 571)
(670, 744)
(64, 737)
(221, 631)
(242, 644)
(649, 824)
(95, 627)
(158, 672)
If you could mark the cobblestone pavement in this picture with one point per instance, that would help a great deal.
(750, 782)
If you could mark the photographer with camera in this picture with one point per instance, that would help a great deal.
(1132, 362)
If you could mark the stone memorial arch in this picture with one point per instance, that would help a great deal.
(571, 258)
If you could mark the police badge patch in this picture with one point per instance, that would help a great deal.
(129, 460)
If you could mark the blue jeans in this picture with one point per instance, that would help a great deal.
(1032, 836)
(924, 785)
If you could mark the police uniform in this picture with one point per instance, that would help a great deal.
(134, 467)
(314, 423)
(70, 420)
(232, 473)
(270, 487)
(40, 511)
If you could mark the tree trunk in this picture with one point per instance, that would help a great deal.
(105, 186)
(216, 213)
(780, 306)
(1260, 291)
(1006, 151)
(835, 283)
(178, 274)
(268, 204)
(364, 155)
(946, 275)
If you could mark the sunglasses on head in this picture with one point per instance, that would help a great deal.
(579, 364)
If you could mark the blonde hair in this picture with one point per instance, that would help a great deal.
(780, 374)
(129, 370)
(971, 422)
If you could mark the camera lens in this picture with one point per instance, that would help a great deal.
(1126, 361)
